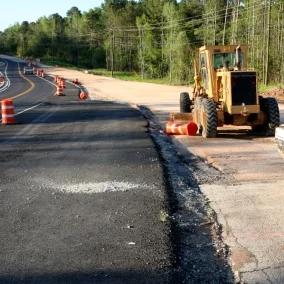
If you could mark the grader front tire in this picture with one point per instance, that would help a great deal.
(209, 119)
(270, 107)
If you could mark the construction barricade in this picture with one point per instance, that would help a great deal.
(8, 112)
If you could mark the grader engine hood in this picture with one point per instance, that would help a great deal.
(243, 91)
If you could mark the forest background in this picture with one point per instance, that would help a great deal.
(154, 39)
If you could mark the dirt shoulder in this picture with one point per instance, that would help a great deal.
(277, 93)
(156, 96)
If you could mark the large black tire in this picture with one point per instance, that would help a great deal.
(185, 102)
(209, 118)
(270, 107)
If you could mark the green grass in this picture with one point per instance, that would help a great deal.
(60, 63)
(122, 75)
(266, 88)
(128, 76)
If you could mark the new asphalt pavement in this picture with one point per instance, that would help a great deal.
(82, 192)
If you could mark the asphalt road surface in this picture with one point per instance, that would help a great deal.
(82, 191)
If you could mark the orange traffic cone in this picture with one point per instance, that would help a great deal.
(76, 82)
(59, 91)
(8, 112)
(83, 96)
(63, 83)
(181, 129)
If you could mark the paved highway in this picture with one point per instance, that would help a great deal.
(82, 191)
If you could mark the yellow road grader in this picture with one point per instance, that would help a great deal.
(225, 92)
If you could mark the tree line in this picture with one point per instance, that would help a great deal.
(155, 38)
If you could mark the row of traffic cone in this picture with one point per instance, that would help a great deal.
(39, 72)
(7, 105)
(61, 85)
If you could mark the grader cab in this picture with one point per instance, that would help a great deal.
(225, 92)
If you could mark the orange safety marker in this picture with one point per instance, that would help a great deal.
(59, 91)
(181, 129)
(60, 83)
(76, 82)
(63, 83)
(8, 112)
(83, 96)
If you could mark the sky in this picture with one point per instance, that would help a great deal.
(12, 11)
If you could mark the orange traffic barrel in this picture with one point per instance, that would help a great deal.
(63, 83)
(83, 96)
(8, 112)
(60, 83)
(2, 79)
(181, 129)
(59, 91)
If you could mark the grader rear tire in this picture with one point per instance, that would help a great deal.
(270, 107)
(185, 103)
(209, 119)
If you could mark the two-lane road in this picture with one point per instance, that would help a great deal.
(81, 191)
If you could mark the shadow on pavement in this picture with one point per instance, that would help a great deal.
(99, 276)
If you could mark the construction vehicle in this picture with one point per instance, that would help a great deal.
(225, 92)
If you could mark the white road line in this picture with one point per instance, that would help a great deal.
(68, 81)
(25, 110)
(8, 83)
(30, 108)
(33, 125)
(47, 81)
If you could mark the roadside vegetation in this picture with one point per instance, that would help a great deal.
(128, 76)
(154, 40)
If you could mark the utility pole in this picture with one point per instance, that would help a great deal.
(112, 52)
(171, 50)
(267, 44)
